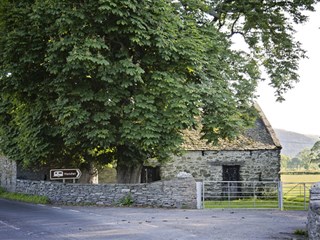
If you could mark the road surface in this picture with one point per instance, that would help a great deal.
(36, 222)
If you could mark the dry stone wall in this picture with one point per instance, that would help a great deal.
(176, 193)
(314, 213)
(8, 173)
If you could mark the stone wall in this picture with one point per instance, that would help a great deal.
(314, 213)
(8, 173)
(176, 193)
(255, 165)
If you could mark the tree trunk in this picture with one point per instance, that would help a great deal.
(90, 174)
(93, 174)
(129, 174)
(129, 164)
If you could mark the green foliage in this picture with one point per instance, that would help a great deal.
(126, 201)
(315, 153)
(100, 81)
(301, 232)
(267, 28)
(307, 159)
(284, 162)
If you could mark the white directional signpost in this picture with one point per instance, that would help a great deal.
(63, 174)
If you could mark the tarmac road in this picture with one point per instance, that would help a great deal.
(33, 222)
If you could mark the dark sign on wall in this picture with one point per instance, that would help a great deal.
(57, 174)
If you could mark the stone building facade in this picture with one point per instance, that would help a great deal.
(254, 156)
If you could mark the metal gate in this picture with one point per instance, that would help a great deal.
(246, 194)
(296, 195)
(255, 194)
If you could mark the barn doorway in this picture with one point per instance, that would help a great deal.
(231, 174)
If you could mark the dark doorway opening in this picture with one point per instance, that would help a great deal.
(231, 173)
(150, 174)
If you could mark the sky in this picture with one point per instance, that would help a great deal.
(300, 112)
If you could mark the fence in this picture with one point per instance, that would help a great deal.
(296, 195)
(255, 194)
(240, 194)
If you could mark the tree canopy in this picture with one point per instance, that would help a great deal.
(267, 26)
(307, 159)
(315, 154)
(119, 80)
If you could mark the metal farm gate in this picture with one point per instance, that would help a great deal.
(255, 194)
(296, 195)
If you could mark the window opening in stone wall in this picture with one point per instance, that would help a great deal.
(150, 174)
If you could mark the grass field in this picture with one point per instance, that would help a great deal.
(243, 203)
(300, 178)
(292, 203)
(296, 190)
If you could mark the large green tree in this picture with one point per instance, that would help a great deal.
(92, 82)
(314, 156)
(267, 26)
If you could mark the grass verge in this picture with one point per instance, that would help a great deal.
(242, 203)
(23, 197)
(289, 204)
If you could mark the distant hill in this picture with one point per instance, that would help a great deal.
(293, 143)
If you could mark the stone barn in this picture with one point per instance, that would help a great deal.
(254, 156)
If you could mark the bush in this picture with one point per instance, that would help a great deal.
(2, 190)
(126, 201)
(301, 232)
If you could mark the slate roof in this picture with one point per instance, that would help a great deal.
(260, 137)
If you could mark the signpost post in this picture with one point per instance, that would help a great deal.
(58, 174)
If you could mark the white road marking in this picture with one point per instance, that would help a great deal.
(73, 210)
(94, 214)
(9, 225)
(56, 207)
